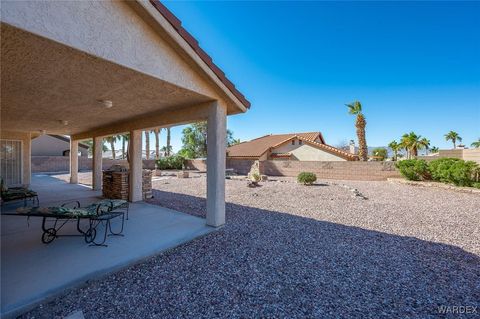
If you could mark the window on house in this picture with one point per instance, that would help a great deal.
(293, 142)
(300, 142)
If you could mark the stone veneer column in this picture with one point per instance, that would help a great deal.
(97, 163)
(73, 161)
(216, 155)
(135, 157)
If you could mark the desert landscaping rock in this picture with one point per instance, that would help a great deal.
(291, 251)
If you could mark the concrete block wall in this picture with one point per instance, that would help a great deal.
(196, 164)
(366, 171)
(49, 164)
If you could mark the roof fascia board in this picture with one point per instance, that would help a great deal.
(147, 7)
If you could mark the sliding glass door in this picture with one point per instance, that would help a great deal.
(11, 162)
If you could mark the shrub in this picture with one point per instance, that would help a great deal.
(455, 171)
(255, 177)
(380, 153)
(476, 185)
(170, 162)
(413, 169)
(306, 178)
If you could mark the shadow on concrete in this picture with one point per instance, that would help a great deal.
(273, 264)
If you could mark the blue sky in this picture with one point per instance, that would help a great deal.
(414, 66)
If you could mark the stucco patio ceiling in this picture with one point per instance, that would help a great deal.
(44, 83)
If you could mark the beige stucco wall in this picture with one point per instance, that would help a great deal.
(46, 145)
(26, 152)
(306, 152)
(471, 154)
(114, 31)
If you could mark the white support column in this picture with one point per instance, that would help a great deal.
(216, 155)
(97, 163)
(135, 157)
(73, 161)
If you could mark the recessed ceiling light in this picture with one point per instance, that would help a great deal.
(106, 103)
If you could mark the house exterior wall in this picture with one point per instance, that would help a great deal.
(306, 152)
(126, 38)
(46, 145)
(470, 154)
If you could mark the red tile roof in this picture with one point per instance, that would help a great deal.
(177, 25)
(259, 146)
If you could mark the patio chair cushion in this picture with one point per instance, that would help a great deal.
(60, 211)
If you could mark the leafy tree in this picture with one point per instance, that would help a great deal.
(355, 108)
(380, 152)
(395, 148)
(194, 139)
(476, 144)
(454, 137)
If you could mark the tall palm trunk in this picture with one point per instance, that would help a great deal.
(168, 141)
(147, 144)
(360, 124)
(157, 143)
(123, 147)
(454, 143)
(112, 146)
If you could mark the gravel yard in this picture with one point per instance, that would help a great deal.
(289, 250)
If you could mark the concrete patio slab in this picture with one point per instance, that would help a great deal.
(33, 271)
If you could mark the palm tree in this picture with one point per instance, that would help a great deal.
(476, 144)
(454, 137)
(112, 139)
(235, 141)
(413, 143)
(156, 132)
(425, 143)
(434, 149)
(169, 147)
(167, 150)
(355, 108)
(147, 144)
(125, 138)
(395, 148)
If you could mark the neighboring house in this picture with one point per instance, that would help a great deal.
(294, 146)
(55, 145)
(466, 154)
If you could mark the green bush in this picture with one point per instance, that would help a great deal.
(413, 169)
(306, 178)
(170, 162)
(476, 185)
(455, 171)
(381, 153)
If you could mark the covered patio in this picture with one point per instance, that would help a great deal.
(33, 271)
(90, 70)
